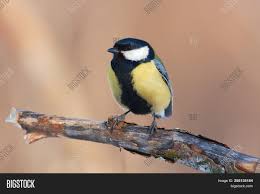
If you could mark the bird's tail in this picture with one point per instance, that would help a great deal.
(168, 110)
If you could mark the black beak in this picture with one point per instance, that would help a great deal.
(113, 50)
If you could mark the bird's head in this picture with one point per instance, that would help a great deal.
(133, 50)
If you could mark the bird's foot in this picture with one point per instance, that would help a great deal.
(153, 127)
(117, 121)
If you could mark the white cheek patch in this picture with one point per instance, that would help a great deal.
(137, 54)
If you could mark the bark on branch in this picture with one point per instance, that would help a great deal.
(173, 145)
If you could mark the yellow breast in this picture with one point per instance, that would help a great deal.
(114, 85)
(149, 84)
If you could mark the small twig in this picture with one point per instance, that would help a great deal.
(173, 145)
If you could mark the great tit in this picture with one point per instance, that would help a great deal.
(139, 80)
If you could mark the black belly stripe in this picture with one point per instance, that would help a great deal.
(129, 96)
(134, 102)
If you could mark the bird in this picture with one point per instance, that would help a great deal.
(139, 81)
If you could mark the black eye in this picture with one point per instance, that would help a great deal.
(128, 47)
(124, 47)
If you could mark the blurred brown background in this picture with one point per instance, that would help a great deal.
(44, 44)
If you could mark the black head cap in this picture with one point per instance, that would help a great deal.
(129, 44)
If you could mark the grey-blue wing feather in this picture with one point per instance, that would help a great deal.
(162, 70)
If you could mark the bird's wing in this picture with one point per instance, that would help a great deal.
(159, 65)
(162, 70)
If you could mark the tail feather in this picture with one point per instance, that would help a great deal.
(168, 110)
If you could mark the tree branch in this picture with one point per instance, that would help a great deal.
(173, 145)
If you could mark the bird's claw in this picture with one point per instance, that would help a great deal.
(114, 121)
(152, 129)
